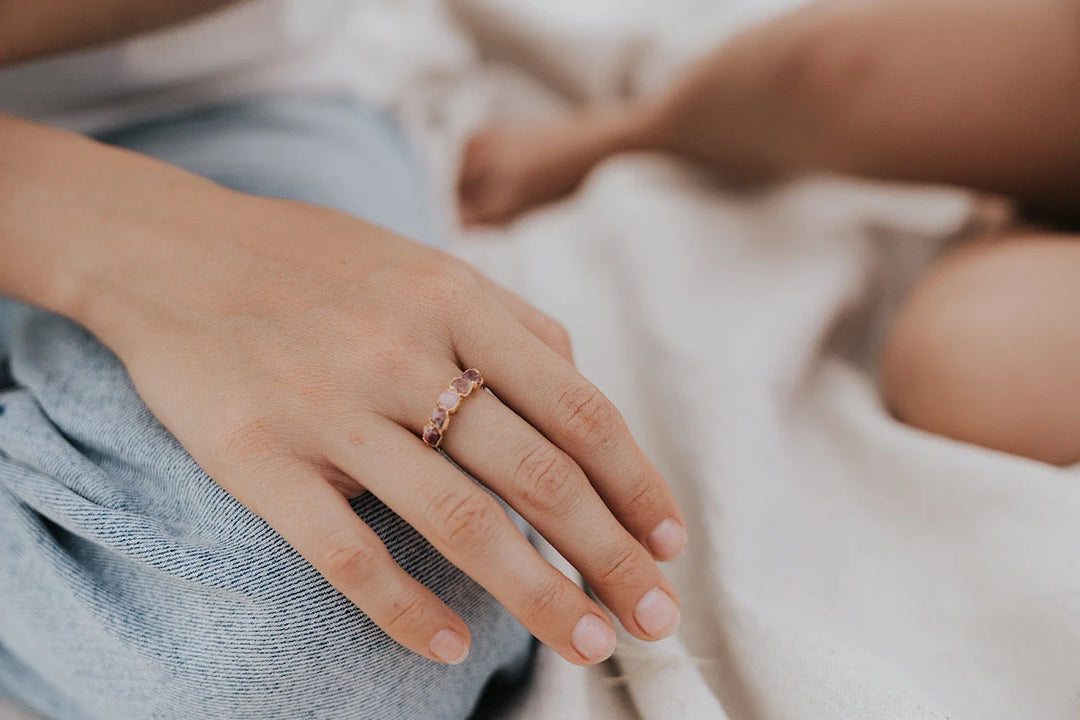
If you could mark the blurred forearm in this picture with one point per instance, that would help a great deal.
(34, 28)
(984, 94)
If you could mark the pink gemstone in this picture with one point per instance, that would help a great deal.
(462, 385)
(473, 376)
(449, 399)
(432, 435)
(439, 417)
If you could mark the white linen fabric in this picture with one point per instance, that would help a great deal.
(841, 565)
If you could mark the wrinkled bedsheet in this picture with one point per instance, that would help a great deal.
(841, 565)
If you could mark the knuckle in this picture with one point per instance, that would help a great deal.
(316, 389)
(557, 336)
(391, 348)
(239, 436)
(357, 441)
(548, 599)
(546, 480)
(350, 558)
(467, 518)
(589, 418)
(405, 614)
(243, 436)
(453, 285)
(619, 568)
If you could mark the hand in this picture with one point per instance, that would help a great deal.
(297, 353)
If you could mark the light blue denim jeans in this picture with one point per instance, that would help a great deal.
(131, 585)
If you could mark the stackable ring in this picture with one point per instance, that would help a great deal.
(450, 400)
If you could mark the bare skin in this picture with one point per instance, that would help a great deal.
(45, 27)
(508, 170)
(984, 95)
(294, 352)
(986, 349)
(881, 88)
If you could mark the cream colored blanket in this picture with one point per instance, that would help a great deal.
(841, 564)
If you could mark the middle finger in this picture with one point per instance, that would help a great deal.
(548, 489)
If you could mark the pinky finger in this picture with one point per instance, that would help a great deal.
(539, 323)
(320, 524)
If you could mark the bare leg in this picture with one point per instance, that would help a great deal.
(982, 94)
(987, 348)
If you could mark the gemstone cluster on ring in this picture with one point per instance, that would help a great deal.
(449, 402)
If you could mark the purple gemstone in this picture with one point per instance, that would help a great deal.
(462, 385)
(432, 435)
(473, 376)
(449, 399)
(439, 417)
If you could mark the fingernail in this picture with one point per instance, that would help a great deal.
(593, 638)
(449, 647)
(657, 613)
(668, 539)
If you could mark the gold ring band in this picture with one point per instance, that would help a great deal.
(449, 402)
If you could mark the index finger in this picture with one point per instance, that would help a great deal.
(322, 527)
(572, 413)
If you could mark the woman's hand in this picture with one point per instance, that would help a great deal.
(297, 353)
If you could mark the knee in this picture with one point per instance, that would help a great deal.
(828, 58)
(985, 350)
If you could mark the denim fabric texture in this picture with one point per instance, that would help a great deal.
(131, 585)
